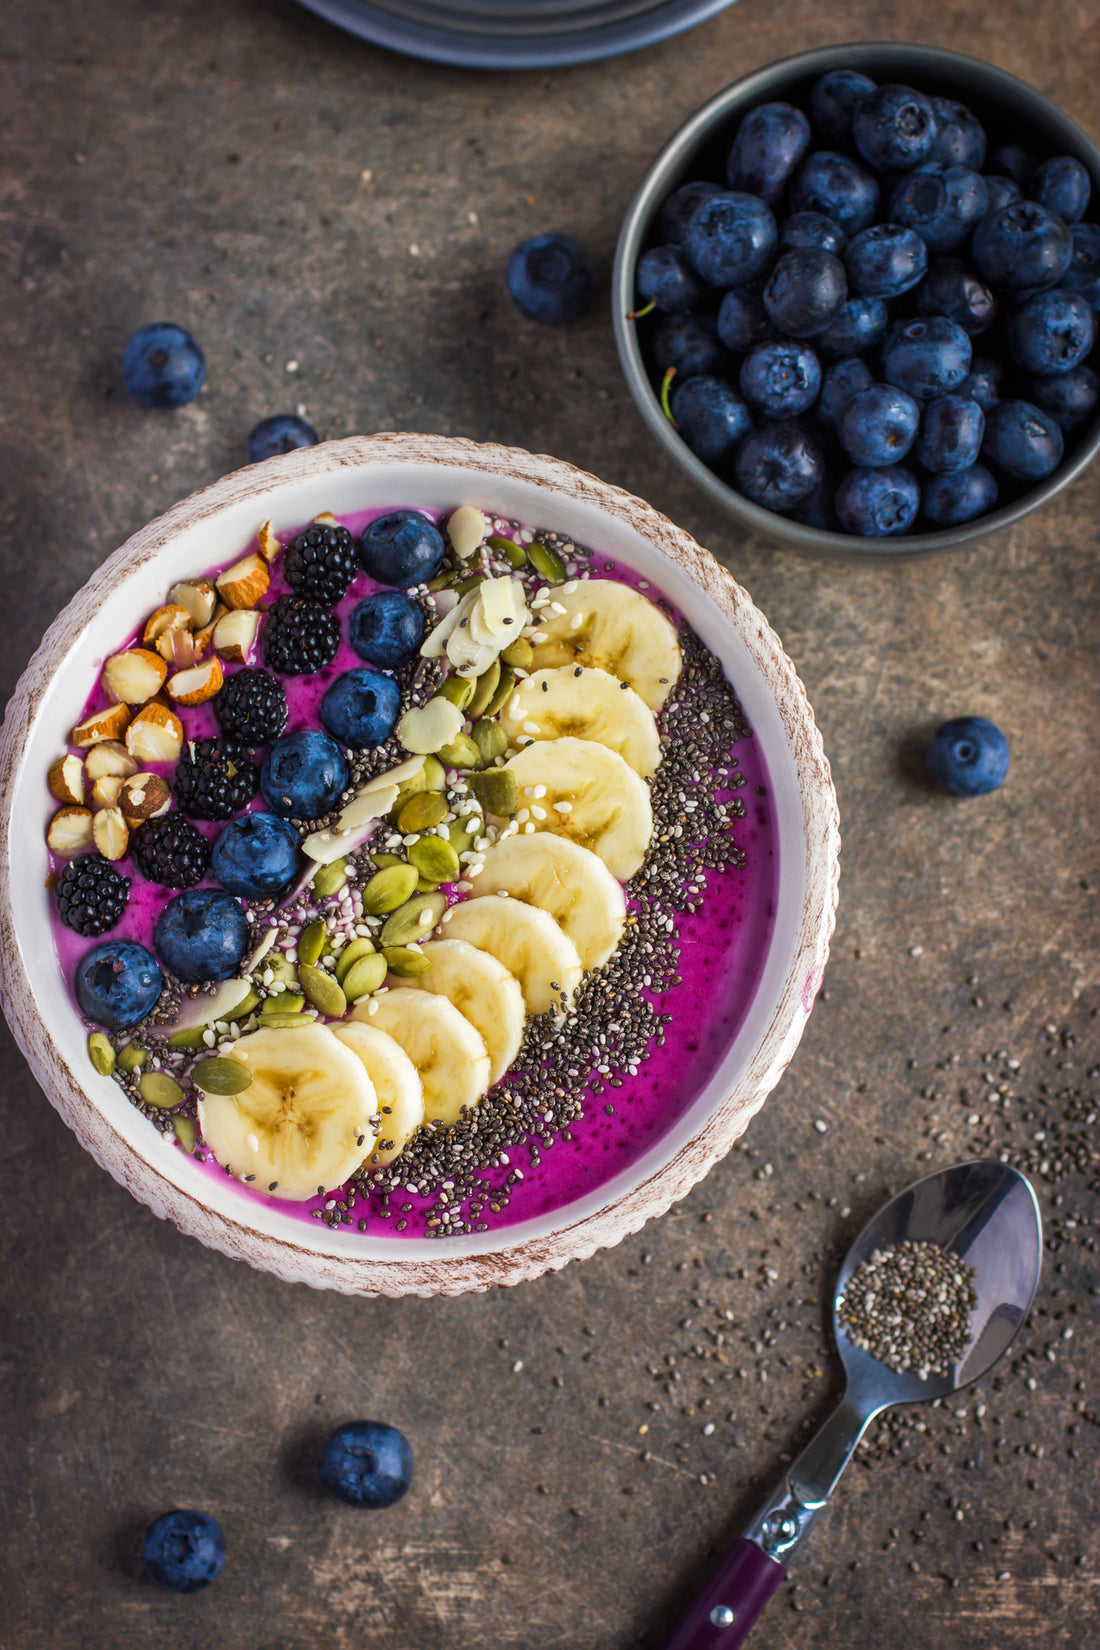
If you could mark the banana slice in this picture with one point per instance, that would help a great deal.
(570, 701)
(615, 628)
(484, 991)
(591, 796)
(396, 1083)
(570, 883)
(527, 941)
(447, 1052)
(305, 1120)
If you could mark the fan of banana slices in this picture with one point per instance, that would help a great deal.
(545, 906)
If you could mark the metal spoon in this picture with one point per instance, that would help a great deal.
(986, 1213)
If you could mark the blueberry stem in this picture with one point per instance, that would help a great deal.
(666, 385)
(636, 314)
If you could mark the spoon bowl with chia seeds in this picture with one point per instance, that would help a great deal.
(930, 1295)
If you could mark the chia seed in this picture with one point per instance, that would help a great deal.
(910, 1307)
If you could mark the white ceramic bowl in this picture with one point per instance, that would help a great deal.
(435, 472)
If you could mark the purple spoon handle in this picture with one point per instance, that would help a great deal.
(724, 1612)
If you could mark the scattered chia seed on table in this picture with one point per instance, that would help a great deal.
(910, 1306)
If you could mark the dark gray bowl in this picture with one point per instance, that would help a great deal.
(1010, 109)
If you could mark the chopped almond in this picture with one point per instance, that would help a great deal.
(173, 616)
(106, 789)
(70, 831)
(180, 648)
(195, 687)
(155, 735)
(198, 596)
(269, 544)
(245, 582)
(102, 724)
(110, 833)
(133, 677)
(109, 757)
(66, 779)
(235, 635)
(206, 634)
(144, 796)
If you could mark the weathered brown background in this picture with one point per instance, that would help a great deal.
(206, 162)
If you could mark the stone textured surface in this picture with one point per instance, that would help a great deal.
(206, 163)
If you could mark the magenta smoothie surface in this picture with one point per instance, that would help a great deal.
(722, 951)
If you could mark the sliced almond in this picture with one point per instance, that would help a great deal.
(173, 616)
(195, 687)
(235, 635)
(109, 757)
(132, 678)
(466, 529)
(70, 832)
(110, 833)
(245, 582)
(144, 796)
(198, 596)
(102, 724)
(106, 790)
(155, 735)
(269, 544)
(66, 779)
(180, 648)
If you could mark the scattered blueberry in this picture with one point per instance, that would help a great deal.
(1001, 192)
(859, 325)
(927, 357)
(833, 101)
(984, 383)
(877, 504)
(894, 128)
(387, 629)
(1083, 271)
(361, 708)
(841, 381)
(878, 425)
(367, 1464)
(731, 238)
(404, 548)
(960, 136)
(781, 378)
(954, 291)
(811, 229)
(256, 857)
(941, 205)
(675, 214)
(1022, 440)
(1062, 185)
(837, 186)
(1022, 248)
(551, 279)
(203, 934)
(163, 366)
(184, 1551)
(304, 775)
(951, 434)
(712, 417)
(949, 499)
(778, 466)
(805, 291)
(1070, 398)
(968, 756)
(282, 433)
(1052, 332)
(117, 984)
(665, 278)
(690, 343)
(742, 321)
(770, 142)
(885, 260)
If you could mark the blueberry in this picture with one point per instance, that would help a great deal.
(1062, 185)
(1015, 162)
(256, 856)
(877, 504)
(282, 433)
(984, 383)
(836, 186)
(816, 510)
(805, 291)
(1000, 192)
(675, 214)
(833, 100)
(878, 425)
(894, 128)
(304, 775)
(665, 278)
(1052, 332)
(841, 381)
(1022, 248)
(950, 434)
(551, 279)
(184, 1551)
(950, 499)
(117, 984)
(1022, 440)
(781, 378)
(163, 366)
(778, 466)
(811, 229)
(742, 320)
(689, 343)
(361, 708)
(404, 548)
(203, 934)
(858, 326)
(1070, 398)
(731, 238)
(712, 417)
(367, 1464)
(885, 260)
(968, 756)
(941, 205)
(770, 142)
(387, 629)
(1083, 271)
(954, 291)
(960, 136)
(927, 357)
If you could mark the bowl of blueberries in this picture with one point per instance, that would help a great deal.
(857, 299)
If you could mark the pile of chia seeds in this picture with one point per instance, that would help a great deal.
(910, 1307)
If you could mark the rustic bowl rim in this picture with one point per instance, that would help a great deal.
(668, 169)
(140, 1164)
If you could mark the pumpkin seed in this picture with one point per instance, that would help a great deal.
(311, 942)
(546, 562)
(461, 753)
(458, 689)
(389, 889)
(221, 1076)
(382, 860)
(406, 961)
(505, 689)
(470, 582)
(364, 976)
(421, 812)
(193, 1038)
(247, 1005)
(497, 791)
(461, 832)
(442, 581)
(435, 774)
(490, 739)
(414, 921)
(286, 1022)
(323, 992)
(514, 554)
(351, 954)
(133, 1057)
(435, 859)
(183, 1127)
(484, 688)
(160, 1090)
(101, 1052)
(519, 653)
(283, 1002)
(330, 878)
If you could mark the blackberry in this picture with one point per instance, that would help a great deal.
(251, 708)
(321, 563)
(300, 636)
(91, 895)
(171, 851)
(212, 782)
